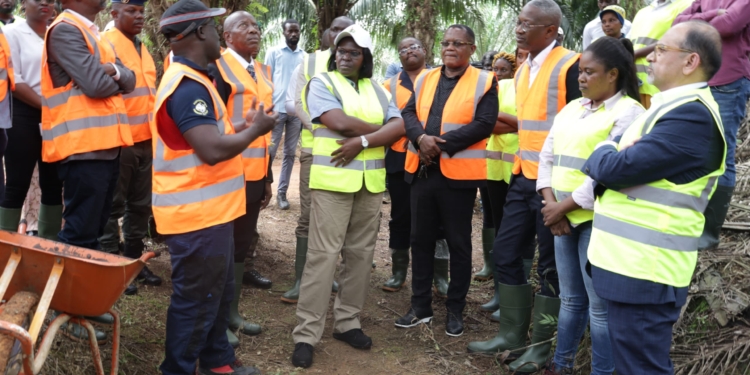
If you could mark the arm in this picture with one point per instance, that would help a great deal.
(477, 130)
(506, 123)
(693, 12)
(643, 52)
(26, 94)
(385, 136)
(299, 109)
(736, 17)
(412, 126)
(546, 158)
(324, 106)
(679, 142)
(214, 148)
(572, 92)
(23, 91)
(80, 66)
(126, 80)
(587, 35)
(291, 91)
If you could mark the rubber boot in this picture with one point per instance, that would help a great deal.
(9, 219)
(527, 264)
(50, 221)
(715, 213)
(494, 303)
(488, 239)
(495, 317)
(236, 322)
(400, 260)
(534, 358)
(440, 269)
(234, 341)
(292, 295)
(515, 311)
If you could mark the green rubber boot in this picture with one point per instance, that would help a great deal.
(535, 357)
(234, 341)
(9, 219)
(495, 317)
(236, 322)
(527, 264)
(440, 267)
(50, 221)
(494, 303)
(400, 259)
(488, 271)
(292, 295)
(515, 311)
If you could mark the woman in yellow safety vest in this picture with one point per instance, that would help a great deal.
(609, 105)
(353, 120)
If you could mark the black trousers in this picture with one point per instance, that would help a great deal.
(245, 225)
(493, 200)
(400, 224)
(23, 153)
(435, 205)
(522, 219)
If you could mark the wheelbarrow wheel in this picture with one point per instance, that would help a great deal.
(19, 310)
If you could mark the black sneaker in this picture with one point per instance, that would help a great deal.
(303, 355)
(412, 319)
(282, 202)
(454, 325)
(355, 338)
(148, 278)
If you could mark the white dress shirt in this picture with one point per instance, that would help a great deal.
(593, 31)
(94, 30)
(26, 49)
(241, 59)
(535, 64)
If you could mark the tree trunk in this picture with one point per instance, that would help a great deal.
(421, 23)
(328, 10)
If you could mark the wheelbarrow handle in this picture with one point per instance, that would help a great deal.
(149, 254)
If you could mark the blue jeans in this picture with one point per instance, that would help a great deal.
(293, 127)
(732, 99)
(579, 302)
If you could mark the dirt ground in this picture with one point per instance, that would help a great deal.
(394, 351)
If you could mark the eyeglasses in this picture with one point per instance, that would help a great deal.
(662, 48)
(525, 27)
(455, 43)
(352, 54)
(413, 47)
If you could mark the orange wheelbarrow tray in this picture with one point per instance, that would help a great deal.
(74, 281)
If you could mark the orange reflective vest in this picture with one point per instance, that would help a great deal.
(400, 96)
(73, 123)
(140, 102)
(6, 69)
(244, 89)
(468, 164)
(187, 194)
(538, 105)
(167, 61)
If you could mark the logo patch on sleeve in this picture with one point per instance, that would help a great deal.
(200, 107)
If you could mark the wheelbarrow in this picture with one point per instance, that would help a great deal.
(40, 275)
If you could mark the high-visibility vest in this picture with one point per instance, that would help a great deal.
(7, 80)
(501, 148)
(188, 194)
(575, 140)
(651, 232)
(140, 102)
(649, 25)
(244, 89)
(168, 61)
(73, 123)
(313, 64)
(538, 105)
(468, 164)
(370, 105)
(400, 96)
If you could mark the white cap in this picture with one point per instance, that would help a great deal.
(560, 31)
(356, 32)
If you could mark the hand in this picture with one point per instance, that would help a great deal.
(250, 115)
(267, 196)
(263, 120)
(721, 12)
(351, 147)
(628, 145)
(109, 69)
(429, 147)
(553, 212)
(426, 160)
(561, 228)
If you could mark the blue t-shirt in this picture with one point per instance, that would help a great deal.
(190, 104)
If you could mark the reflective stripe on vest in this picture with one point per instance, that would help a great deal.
(392, 85)
(187, 194)
(652, 231)
(140, 102)
(468, 164)
(313, 64)
(76, 123)
(501, 148)
(243, 90)
(538, 105)
(7, 79)
(369, 164)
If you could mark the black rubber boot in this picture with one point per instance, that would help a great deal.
(534, 358)
(515, 311)
(400, 260)
(715, 213)
(292, 295)
(488, 271)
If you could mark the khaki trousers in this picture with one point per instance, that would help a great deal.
(346, 224)
(303, 223)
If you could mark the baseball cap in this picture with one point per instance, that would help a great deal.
(184, 17)
(618, 11)
(130, 2)
(356, 32)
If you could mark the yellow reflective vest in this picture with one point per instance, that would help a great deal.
(501, 148)
(370, 104)
(651, 232)
(313, 64)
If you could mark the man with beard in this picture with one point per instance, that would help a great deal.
(132, 199)
(282, 61)
(7, 7)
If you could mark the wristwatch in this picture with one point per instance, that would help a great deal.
(364, 141)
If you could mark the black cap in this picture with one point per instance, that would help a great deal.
(184, 17)
(130, 2)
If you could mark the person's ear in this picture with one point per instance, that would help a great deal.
(473, 48)
(691, 64)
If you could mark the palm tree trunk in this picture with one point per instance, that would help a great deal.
(328, 10)
(421, 23)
